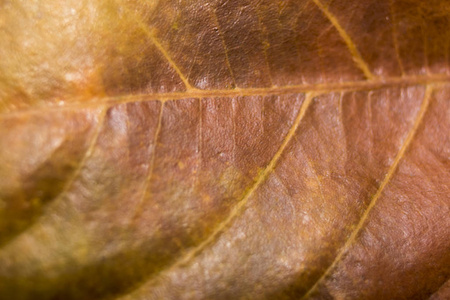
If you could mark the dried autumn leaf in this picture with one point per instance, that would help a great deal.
(224, 149)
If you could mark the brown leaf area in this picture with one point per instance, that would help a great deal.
(224, 149)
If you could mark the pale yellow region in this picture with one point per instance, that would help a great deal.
(59, 50)
(347, 39)
(51, 43)
(377, 195)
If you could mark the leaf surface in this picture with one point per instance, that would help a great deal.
(224, 149)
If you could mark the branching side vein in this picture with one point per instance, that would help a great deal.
(347, 39)
(349, 242)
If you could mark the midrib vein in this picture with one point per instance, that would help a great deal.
(347, 39)
(188, 256)
(281, 90)
(349, 242)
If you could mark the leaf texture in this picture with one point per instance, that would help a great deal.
(224, 149)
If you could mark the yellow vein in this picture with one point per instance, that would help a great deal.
(160, 47)
(151, 166)
(377, 195)
(79, 103)
(170, 60)
(265, 43)
(225, 48)
(258, 182)
(395, 37)
(86, 156)
(313, 170)
(347, 39)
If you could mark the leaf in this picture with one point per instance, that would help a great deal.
(224, 149)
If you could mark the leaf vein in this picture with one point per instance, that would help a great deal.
(170, 60)
(320, 88)
(70, 180)
(265, 44)
(352, 238)
(141, 202)
(225, 48)
(151, 35)
(347, 39)
(237, 209)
